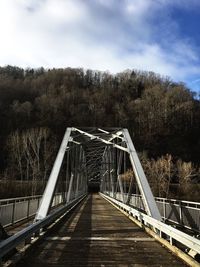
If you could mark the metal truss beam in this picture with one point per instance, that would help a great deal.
(93, 137)
(115, 135)
(50, 188)
(148, 199)
(97, 155)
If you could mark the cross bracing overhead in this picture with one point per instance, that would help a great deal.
(102, 156)
(95, 141)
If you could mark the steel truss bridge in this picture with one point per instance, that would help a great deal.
(88, 229)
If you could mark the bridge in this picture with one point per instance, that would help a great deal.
(90, 214)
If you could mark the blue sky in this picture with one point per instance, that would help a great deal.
(153, 35)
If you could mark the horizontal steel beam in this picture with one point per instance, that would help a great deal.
(114, 135)
(94, 137)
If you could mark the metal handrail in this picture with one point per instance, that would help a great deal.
(187, 240)
(182, 213)
(20, 199)
(17, 209)
(11, 242)
(162, 199)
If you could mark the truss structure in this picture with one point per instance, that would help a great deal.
(95, 155)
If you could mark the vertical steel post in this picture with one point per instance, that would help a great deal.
(119, 177)
(67, 175)
(85, 179)
(28, 208)
(13, 213)
(164, 209)
(180, 213)
(129, 191)
(77, 161)
(77, 185)
(70, 187)
(111, 172)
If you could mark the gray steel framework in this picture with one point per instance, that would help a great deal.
(101, 156)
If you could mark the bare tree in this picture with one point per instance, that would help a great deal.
(31, 155)
(159, 173)
(186, 172)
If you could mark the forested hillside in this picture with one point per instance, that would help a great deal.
(163, 117)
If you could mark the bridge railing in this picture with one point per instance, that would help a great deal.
(171, 235)
(36, 229)
(183, 213)
(13, 210)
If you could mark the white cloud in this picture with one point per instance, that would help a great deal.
(62, 11)
(95, 34)
(138, 7)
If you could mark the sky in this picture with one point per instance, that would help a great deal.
(108, 35)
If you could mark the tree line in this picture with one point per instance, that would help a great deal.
(36, 105)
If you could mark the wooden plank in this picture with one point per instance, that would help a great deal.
(97, 234)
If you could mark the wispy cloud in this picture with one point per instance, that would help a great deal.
(107, 35)
(196, 81)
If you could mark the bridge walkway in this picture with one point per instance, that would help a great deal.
(97, 234)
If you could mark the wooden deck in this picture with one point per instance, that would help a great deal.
(97, 234)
